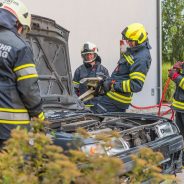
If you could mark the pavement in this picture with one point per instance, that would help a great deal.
(153, 111)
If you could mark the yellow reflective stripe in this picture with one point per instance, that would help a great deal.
(119, 98)
(89, 105)
(139, 78)
(23, 66)
(126, 86)
(138, 75)
(178, 104)
(74, 82)
(27, 77)
(41, 116)
(12, 110)
(120, 95)
(128, 59)
(13, 122)
(181, 84)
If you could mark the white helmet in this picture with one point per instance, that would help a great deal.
(87, 48)
(19, 10)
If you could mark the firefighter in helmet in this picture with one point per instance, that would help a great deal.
(176, 74)
(130, 73)
(91, 67)
(19, 92)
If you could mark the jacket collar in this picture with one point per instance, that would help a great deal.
(87, 65)
(139, 47)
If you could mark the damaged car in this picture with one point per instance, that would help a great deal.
(66, 113)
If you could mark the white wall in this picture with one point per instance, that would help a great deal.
(101, 22)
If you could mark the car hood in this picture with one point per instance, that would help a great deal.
(49, 43)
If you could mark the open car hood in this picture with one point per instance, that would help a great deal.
(49, 43)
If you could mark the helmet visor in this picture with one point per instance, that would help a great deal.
(89, 57)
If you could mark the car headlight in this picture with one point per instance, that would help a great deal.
(118, 145)
(92, 149)
(175, 128)
(165, 129)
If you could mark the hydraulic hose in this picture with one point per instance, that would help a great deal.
(160, 104)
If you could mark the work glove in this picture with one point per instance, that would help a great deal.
(98, 89)
(108, 85)
(178, 65)
(173, 74)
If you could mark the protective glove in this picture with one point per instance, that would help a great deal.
(178, 65)
(173, 74)
(98, 90)
(108, 85)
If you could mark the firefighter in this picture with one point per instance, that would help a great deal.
(176, 74)
(19, 92)
(91, 67)
(130, 73)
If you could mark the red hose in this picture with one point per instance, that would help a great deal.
(163, 95)
(149, 107)
(160, 104)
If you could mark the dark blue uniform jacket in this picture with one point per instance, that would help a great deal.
(130, 74)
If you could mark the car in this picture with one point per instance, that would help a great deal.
(66, 113)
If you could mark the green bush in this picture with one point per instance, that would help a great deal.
(147, 166)
(31, 158)
(171, 88)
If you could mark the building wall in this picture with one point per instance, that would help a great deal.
(101, 22)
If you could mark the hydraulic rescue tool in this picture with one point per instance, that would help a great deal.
(94, 85)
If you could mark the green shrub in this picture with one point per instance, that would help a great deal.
(171, 87)
(147, 166)
(31, 158)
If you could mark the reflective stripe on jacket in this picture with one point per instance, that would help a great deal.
(119, 97)
(25, 71)
(130, 74)
(14, 116)
(178, 98)
(19, 92)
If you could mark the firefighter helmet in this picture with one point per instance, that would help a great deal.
(135, 32)
(89, 48)
(19, 10)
